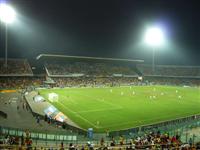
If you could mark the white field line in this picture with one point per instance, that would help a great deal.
(70, 100)
(79, 115)
(98, 110)
(94, 110)
(100, 100)
(140, 121)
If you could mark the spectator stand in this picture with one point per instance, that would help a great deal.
(15, 67)
(79, 66)
(172, 71)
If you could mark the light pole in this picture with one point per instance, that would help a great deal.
(7, 15)
(153, 60)
(154, 37)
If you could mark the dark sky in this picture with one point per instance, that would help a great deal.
(104, 28)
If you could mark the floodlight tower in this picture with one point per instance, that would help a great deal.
(7, 16)
(154, 37)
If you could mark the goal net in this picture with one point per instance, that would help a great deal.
(53, 97)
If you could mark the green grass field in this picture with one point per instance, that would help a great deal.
(118, 108)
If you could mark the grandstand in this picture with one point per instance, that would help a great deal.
(15, 67)
(75, 66)
(107, 76)
(170, 71)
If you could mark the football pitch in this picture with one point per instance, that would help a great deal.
(118, 108)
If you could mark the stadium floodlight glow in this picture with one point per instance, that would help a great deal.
(154, 36)
(7, 13)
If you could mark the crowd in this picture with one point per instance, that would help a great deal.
(15, 67)
(95, 74)
(89, 81)
(24, 141)
(172, 81)
(24, 82)
(152, 141)
(92, 69)
(20, 82)
(21, 67)
(170, 71)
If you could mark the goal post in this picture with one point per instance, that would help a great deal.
(53, 97)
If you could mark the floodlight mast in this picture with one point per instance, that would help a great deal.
(7, 15)
(153, 60)
(154, 38)
(6, 47)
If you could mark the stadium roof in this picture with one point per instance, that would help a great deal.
(91, 58)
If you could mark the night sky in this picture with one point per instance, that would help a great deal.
(104, 28)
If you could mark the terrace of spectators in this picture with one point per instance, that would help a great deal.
(20, 82)
(73, 66)
(170, 71)
(15, 67)
(89, 69)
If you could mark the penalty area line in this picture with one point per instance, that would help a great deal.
(98, 110)
(78, 115)
(102, 101)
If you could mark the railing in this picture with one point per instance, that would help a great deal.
(117, 147)
(165, 126)
(185, 130)
(39, 138)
